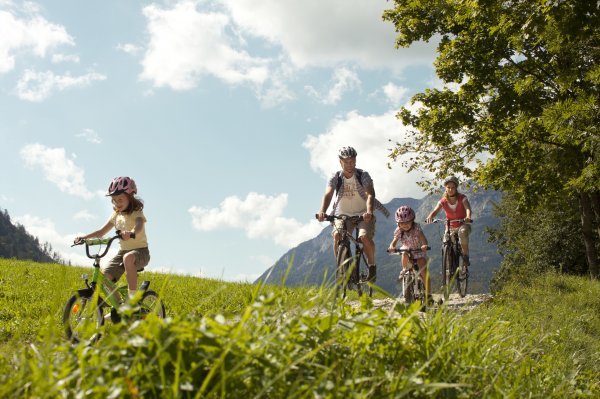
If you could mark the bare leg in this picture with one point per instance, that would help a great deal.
(130, 271)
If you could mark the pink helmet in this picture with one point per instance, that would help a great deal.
(405, 214)
(122, 184)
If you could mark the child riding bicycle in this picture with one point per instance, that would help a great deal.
(128, 217)
(456, 206)
(410, 236)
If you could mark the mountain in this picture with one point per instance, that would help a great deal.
(16, 242)
(312, 260)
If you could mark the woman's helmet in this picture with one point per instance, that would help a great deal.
(452, 179)
(405, 214)
(347, 152)
(122, 184)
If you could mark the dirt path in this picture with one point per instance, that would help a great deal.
(455, 302)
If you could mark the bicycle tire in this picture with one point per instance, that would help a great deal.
(447, 259)
(80, 321)
(462, 279)
(342, 262)
(408, 289)
(151, 304)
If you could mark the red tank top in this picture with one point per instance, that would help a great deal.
(459, 211)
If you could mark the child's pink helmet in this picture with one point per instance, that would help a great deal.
(122, 184)
(405, 214)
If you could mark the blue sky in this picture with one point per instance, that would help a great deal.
(227, 113)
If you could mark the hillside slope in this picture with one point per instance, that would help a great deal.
(313, 259)
(16, 242)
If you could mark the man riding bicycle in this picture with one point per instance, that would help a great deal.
(355, 197)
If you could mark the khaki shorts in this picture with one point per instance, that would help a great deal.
(115, 267)
(364, 228)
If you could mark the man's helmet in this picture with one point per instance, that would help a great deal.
(405, 214)
(347, 152)
(122, 184)
(452, 179)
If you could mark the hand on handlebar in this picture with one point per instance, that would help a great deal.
(321, 216)
(367, 216)
(125, 235)
(77, 241)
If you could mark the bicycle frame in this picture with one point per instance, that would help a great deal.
(413, 286)
(452, 266)
(352, 263)
(112, 294)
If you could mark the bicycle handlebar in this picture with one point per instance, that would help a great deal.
(100, 241)
(451, 220)
(331, 218)
(408, 250)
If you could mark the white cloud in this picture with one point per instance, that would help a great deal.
(57, 168)
(326, 33)
(90, 136)
(30, 33)
(394, 94)
(84, 215)
(129, 48)
(186, 44)
(370, 136)
(259, 215)
(37, 86)
(58, 58)
(343, 80)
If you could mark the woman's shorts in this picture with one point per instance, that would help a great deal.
(115, 267)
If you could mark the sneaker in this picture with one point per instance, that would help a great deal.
(372, 274)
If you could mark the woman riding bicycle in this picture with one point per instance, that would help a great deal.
(456, 206)
(410, 236)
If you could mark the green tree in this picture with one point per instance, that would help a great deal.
(520, 107)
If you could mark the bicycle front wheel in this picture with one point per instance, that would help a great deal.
(151, 304)
(462, 279)
(447, 260)
(342, 264)
(82, 319)
(408, 288)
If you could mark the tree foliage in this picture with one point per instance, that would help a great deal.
(16, 242)
(520, 106)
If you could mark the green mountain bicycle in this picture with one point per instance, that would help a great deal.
(101, 300)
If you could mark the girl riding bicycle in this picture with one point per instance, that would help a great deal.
(128, 217)
(410, 236)
(456, 206)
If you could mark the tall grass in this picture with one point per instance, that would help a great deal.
(536, 341)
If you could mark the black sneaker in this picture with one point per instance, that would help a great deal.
(372, 273)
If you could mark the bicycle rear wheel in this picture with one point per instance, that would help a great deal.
(151, 304)
(82, 320)
(342, 264)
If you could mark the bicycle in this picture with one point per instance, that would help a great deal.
(86, 311)
(413, 286)
(453, 267)
(347, 272)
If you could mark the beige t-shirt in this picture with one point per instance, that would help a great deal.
(350, 202)
(126, 222)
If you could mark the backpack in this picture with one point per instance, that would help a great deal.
(338, 175)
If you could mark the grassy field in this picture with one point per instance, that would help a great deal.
(539, 338)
